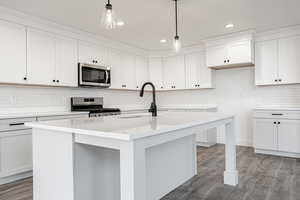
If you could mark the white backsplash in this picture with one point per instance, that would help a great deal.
(23, 99)
(236, 93)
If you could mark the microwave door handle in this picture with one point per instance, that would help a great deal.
(106, 78)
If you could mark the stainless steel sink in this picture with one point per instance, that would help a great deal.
(132, 117)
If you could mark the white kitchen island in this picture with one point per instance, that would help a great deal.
(125, 157)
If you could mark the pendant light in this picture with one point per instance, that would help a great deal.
(177, 44)
(108, 18)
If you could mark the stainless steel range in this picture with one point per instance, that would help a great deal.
(93, 105)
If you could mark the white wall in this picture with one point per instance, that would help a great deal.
(236, 93)
(20, 99)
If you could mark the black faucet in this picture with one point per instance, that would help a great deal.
(153, 107)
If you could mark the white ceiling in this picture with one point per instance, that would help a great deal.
(147, 21)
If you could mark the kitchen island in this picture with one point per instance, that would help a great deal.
(125, 157)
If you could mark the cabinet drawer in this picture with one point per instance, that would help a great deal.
(277, 114)
(15, 124)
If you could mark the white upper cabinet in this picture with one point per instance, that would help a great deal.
(92, 54)
(230, 52)
(13, 53)
(116, 69)
(141, 71)
(289, 60)
(266, 62)
(122, 70)
(128, 71)
(156, 72)
(66, 69)
(198, 75)
(52, 60)
(174, 72)
(216, 56)
(277, 61)
(41, 58)
(240, 53)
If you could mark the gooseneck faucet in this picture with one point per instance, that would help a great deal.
(153, 107)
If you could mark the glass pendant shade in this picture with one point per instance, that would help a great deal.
(108, 18)
(177, 44)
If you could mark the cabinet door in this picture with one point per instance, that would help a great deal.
(198, 75)
(289, 60)
(128, 71)
(193, 64)
(92, 54)
(174, 72)
(115, 60)
(86, 53)
(13, 53)
(41, 57)
(266, 62)
(66, 62)
(239, 52)
(156, 72)
(141, 71)
(216, 56)
(289, 136)
(16, 152)
(265, 134)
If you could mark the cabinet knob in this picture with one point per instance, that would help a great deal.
(57, 81)
(274, 122)
(137, 86)
(276, 80)
(224, 61)
(161, 87)
(279, 80)
(25, 78)
(278, 122)
(53, 81)
(228, 61)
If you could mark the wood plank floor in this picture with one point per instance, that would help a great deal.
(261, 178)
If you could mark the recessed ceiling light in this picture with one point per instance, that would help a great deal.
(120, 23)
(229, 25)
(163, 41)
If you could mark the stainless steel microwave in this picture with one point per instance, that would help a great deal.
(93, 75)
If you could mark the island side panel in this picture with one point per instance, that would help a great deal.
(52, 165)
(170, 164)
(231, 173)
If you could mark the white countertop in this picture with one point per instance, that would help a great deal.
(38, 114)
(130, 108)
(278, 107)
(130, 127)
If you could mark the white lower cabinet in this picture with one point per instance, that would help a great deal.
(265, 134)
(289, 136)
(16, 152)
(277, 132)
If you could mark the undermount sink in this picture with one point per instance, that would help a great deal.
(131, 117)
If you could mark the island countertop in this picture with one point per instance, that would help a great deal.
(131, 126)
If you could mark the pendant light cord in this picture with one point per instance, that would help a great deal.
(176, 21)
(108, 1)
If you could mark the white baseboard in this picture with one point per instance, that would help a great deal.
(205, 144)
(277, 153)
(12, 178)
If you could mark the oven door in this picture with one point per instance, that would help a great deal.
(92, 75)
